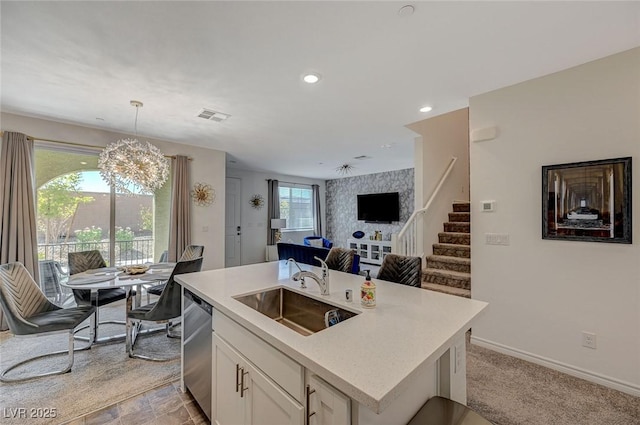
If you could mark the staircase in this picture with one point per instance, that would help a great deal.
(449, 268)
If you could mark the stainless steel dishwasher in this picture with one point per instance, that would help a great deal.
(197, 350)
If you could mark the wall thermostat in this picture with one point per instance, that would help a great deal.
(488, 206)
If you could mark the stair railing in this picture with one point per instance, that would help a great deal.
(406, 243)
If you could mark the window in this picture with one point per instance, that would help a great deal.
(75, 207)
(296, 206)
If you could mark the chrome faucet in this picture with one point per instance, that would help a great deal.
(322, 281)
(297, 276)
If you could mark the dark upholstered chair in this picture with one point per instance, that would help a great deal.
(190, 253)
(443, 411)
(30, 313)
(301, 253)
(87, 260)
(401, 269)
(344, 260)
(164, 257)
(168, 306)
(326, 243)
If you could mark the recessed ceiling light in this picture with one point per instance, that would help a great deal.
(83, 162)
(311, 78)
(426, 109)
(386, 146)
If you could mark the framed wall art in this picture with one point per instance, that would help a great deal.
(587, 201)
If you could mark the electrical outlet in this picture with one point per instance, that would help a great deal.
(589, 340)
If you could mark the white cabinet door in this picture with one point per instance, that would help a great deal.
(327, 406)
(266, 403)
(244, 395)
(227, 405)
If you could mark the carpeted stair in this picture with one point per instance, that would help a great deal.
(449, 268)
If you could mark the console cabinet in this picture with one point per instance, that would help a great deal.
(370, 251)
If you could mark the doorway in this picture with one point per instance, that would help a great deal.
(233, 231)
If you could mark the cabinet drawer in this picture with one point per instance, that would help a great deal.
(282, 369)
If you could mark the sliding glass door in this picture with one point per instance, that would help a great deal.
(78, 211)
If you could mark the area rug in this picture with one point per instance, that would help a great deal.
(101, 376)
(511, 391)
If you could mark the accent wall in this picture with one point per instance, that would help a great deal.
(342, 206)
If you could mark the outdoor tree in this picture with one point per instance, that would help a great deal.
(58, 202)
(146, 218)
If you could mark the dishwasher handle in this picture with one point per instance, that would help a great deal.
(199, 301)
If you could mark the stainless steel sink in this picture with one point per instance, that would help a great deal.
(303, 314)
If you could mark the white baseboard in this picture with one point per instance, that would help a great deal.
(616, 384)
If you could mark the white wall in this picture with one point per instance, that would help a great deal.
(543, 293)
(208, 166)
(442, 137)
(254, 221)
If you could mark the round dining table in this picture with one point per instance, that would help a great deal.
(115, 277)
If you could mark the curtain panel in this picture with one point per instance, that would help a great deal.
(273, 209)
(18, 237)
(317, 217)
(180, 218)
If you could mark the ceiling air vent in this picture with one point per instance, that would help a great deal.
(211, 115)
(361, 157)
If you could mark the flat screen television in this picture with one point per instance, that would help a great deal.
(379, 207)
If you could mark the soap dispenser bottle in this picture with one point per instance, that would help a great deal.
(368, 292)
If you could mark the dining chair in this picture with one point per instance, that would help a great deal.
(87, 260)
(191, 252)
(342, 259)
(401, 269)
(50, 275)
(168, 307)
(30, 313)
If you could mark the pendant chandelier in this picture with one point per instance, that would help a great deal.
(132, 166)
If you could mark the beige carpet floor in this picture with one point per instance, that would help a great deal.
(101, 376)
(510, 391)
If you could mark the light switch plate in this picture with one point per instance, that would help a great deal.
(496, 239)
(487, 206)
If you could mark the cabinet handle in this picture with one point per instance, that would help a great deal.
(309, 391)
(238, 368)
(242, 388)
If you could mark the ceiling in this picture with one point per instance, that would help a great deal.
(82, 62)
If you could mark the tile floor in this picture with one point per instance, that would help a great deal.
(166, 405)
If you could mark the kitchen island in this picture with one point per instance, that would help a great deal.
(377, 367)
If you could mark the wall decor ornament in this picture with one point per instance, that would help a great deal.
(256, 201)
(203, 194)
(587, 201)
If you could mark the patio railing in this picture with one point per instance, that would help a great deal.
(126, 252)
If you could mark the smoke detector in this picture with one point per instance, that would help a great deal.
(212, 115)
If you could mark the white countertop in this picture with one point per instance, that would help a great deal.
(371, 357)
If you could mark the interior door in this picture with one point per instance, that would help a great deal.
(233, 231)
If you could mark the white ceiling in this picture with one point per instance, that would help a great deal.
(79, 61)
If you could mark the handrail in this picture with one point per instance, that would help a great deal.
(410, 224)
(431, 198)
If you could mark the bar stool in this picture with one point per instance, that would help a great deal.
(443, 411)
